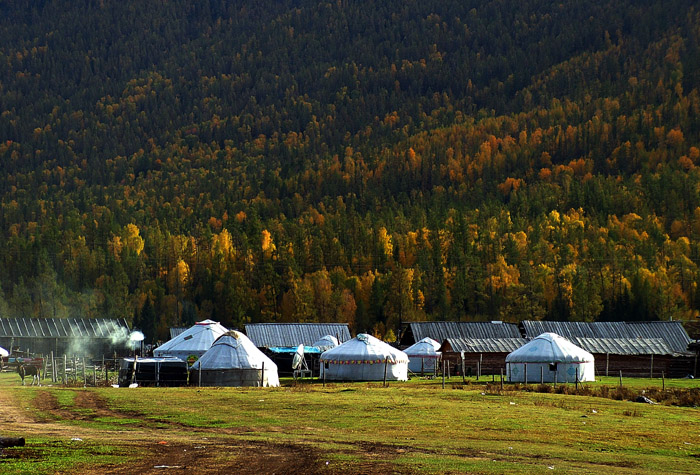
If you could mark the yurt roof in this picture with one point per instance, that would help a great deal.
(326, 343)
(365, 348)
(549, 348)
(198, 337)
(426, 347)
(234, 350)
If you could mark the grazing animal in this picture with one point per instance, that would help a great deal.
(29, 370)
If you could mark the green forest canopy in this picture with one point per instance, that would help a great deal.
(349, 161)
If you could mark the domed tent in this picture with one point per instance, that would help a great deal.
(233, 360)
(326, 343)
(363, 359)
(195, 341)
(423, 355)
(548, 356)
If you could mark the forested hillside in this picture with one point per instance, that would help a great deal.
(351, 161)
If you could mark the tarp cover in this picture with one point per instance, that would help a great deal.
(233, 360)
(326, 343)
(423, 355)
(548, 355)
(363, 359)
(4, 352)
(195, 341)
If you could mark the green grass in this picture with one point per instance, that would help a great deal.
(413, 427)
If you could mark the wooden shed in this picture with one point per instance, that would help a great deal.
(65, 336)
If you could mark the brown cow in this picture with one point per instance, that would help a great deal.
(29, 370)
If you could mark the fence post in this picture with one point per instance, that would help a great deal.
(443, 374)
(620, 378)
(501, 378)
(461, 355)
(651, 370)
(386, 367)
(607, 363)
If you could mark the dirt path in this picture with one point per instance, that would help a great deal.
(151, 447)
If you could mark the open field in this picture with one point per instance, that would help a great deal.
(414, 427)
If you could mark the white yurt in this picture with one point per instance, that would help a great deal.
(548, 356)
(423, 356)
(326, 343)
(363, 359)
(195, 341)
(233, 360)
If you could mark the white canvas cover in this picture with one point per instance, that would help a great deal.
(326, 343)
(423, 355)
(4, 352)
(195, 341)
(234, 360)
(547, 356)
(363, 359)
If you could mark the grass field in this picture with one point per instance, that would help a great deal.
(413, 427)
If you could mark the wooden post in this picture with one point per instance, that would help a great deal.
(481, 363)
(133, 371)
(607, 363)
(65, 363)
(478, 369)
(651, 370)
(386, 367)
(106, 371)
(525, 365)
(46, 367)
(461, 355)
(158, 374)
(620, 378)
(324, 373)
(52, 368)
(501, 378)
(448, 370)
(443, 374)
(556, 373)
(576, 379)
(199, 375)
(84, 379)
(94, 375)
(422, 364)
(262, 374)
(663, 381)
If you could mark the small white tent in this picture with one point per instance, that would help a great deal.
(233, 360)
(423, 355)
(195, 341)
(547, 357)
(326, 343)
(363, 359)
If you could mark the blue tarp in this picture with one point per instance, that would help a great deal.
(293, 349)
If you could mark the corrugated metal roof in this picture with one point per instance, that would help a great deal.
(294, 334)
(483, 345)
(671, 333)
(60, 327)
(624, 346)
(440, 331)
